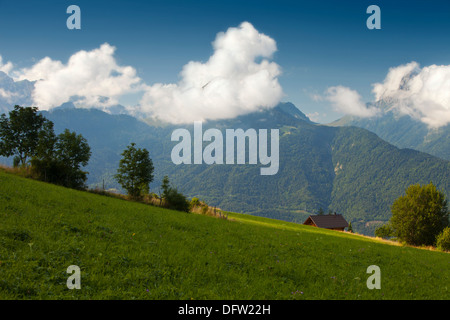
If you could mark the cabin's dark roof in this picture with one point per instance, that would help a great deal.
(328, 221)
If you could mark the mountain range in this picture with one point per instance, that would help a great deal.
(402, 130)
(337, 168)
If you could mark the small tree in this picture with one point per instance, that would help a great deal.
(165, 186)
(19, 134)
(420, 215)
(135, 172)
(350, 228)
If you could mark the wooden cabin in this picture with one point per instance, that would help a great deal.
(327, 221)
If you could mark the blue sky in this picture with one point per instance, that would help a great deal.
(319, 43)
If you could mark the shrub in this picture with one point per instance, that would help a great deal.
(443, 240)
(177, 201)
(385, 231)
(195, 202)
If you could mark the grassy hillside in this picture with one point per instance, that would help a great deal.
(133, 251)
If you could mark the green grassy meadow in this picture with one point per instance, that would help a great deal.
(129, 250)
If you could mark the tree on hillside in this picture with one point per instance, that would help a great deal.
(164, 189)
(19, 134)
(59, 158)
(420, 215)
(43, 163)
(30, 137)
(350, 228)
(72, 151)
(173, 199)
(135, 172)
(45, 148)
(165, 186)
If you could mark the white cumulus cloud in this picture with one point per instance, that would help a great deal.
(89, 79)
(349, 101)
(237, 79)
(423, 93)
(5, 67)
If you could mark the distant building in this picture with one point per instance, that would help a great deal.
(328, 221)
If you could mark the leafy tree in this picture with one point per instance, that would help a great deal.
(420, 215)
(45, 148)
(43, 162)
(58, 158)
(135, 172)
(72, 151)
(29, 136)
(19, 134)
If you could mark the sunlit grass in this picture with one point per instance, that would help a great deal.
(130, 250)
